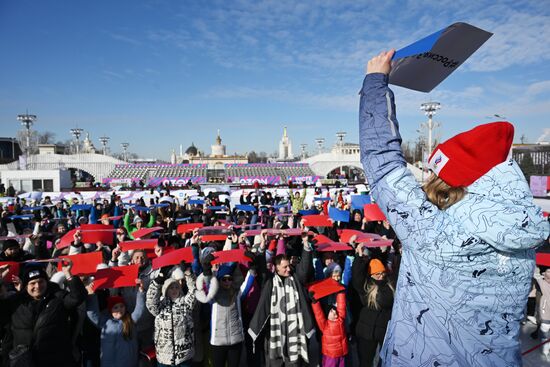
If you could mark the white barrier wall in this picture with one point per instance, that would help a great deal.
(37, 180)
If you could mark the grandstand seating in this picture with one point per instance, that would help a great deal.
(284, 170)
(150, 171)
(145, 171)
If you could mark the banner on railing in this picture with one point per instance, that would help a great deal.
(265, 165)
(310, 180)
(175, 181)
(120, 181)
(249, 180)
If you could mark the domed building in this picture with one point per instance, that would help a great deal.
(192, 151)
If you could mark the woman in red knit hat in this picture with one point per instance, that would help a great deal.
(468, 238)
(119, 341)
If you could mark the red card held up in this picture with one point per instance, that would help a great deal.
(174, 258)
(322, 239)
(317, 220)
(103, 236)
(138, 245)
(368, 237)
(66, 240)
(543, 259)
(230, 256)
(213, 237)
(97, 227)
(189, 227)
(146, 231)
(379, 243)
(325, 288)
(373, 213)
(347, 234)
(13, 270)
(335, 246)
(116, 277)
(83, 264)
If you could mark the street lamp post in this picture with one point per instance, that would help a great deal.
(125, 150)
(320, 142)
(104, 140)
(76, 133)
(340, 135)
(303, 148)
(430, 109)
(27, 121)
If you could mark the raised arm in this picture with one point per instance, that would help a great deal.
(92, 311)
(190, 297)
(246, 286)
(359, 274)
(378, 127)
(153, 298)
(207, 287)
(140, 305)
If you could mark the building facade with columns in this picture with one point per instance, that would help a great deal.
(216, 159)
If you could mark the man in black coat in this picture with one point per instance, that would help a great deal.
(40, 316)
(12, 251)
(288, 309)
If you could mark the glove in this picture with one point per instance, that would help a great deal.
(160, 279)
(207, 269)
(312, 297)
(207, 265)
(250, 255)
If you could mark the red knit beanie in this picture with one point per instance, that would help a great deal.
(464, 158)
(114, 300)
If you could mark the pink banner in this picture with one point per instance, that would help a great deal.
(249, 180)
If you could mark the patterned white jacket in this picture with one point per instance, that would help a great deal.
(466, 271)
(174, 336)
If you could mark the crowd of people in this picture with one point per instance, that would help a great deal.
(276, 280)
(195, 311)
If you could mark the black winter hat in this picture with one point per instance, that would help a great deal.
(32, 274)
(11, 243)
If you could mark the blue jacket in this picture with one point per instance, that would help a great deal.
(466, 271)
(115, 350)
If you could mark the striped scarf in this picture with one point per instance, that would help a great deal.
(287, 338)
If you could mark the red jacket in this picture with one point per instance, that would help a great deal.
(334, 342)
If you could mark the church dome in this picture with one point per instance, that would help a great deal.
(192, 150)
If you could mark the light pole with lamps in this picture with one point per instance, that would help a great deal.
(27, 121)
(76, 131)
(320, 142)
(340, 135)
(303, 148)
(430, 109)
(125, 150)
(104, 140)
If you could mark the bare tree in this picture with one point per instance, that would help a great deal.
(46, 137)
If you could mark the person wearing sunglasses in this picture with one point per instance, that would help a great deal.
(376, 292)
(225, 295)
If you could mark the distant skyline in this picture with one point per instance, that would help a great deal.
(160, 73)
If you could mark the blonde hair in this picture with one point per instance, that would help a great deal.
(441, 194)
(372, 293)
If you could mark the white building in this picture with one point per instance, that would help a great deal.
(37, 180)
(218, 150)
(285, 148)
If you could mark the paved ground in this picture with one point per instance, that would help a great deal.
(535, 358)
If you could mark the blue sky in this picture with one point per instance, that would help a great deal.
(163, 73)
